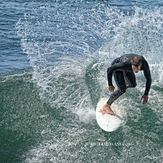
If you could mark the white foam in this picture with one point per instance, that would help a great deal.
(62, 46)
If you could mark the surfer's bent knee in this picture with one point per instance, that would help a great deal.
(122, 90)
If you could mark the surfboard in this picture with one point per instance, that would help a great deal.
(109, 122)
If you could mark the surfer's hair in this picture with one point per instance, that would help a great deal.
(136, 61)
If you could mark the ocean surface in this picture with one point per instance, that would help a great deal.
(53, 61)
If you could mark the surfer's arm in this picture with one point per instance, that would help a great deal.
(147, 75)
(110, 70)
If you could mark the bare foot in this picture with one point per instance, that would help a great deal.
(107, 110)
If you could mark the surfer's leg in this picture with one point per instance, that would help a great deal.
(130, 79)
(120, 81)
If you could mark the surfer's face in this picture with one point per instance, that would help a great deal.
(136, 69)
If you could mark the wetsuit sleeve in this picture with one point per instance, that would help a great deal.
(147, 75)
(109, 75)
(110, 71)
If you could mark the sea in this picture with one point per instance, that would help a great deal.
(54, 57)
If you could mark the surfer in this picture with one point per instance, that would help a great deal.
(123, 69)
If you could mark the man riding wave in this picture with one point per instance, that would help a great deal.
(123, 69)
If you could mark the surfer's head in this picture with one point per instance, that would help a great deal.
(136, 63)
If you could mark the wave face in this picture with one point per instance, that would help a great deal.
(70, 45)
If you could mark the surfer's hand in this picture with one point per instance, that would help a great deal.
(111, 88)
(145, 99)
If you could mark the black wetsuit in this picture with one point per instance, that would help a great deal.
(125, 77)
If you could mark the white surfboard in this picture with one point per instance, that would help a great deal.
(109, 122)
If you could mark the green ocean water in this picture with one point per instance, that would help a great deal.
(32, 131)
